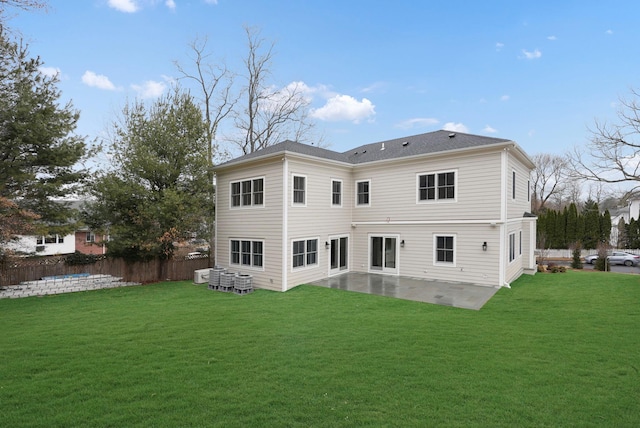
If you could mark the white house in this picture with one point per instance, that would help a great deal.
(442, 206)
(631, 211)
(44, 245)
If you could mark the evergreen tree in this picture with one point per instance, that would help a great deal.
(592, 234)
(39, 152)
(571, 231)
(605, 227)
(158, 190)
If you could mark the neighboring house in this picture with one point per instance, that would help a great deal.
(43, 245)
(631, 211)
(441, 206)
(87, 242)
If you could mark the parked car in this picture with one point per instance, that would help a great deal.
(616, 258)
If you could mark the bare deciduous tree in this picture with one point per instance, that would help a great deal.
(268, 115)
(613, 155)
(548, 178)
(214, 84)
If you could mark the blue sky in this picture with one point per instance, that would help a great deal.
(537, 72)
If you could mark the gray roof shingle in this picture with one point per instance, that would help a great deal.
(431, 142)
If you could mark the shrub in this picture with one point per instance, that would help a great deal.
(79, 258)
(576, 262)
(602, 263)
(558, 269)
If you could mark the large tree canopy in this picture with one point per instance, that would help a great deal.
(158, 188)
(39, 153)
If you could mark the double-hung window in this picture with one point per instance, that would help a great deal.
(445, 249)
(247, 193)
(305, 253)
(299, 189)
(512, 247)
(363, 189)
(246, 253)
(336, 193)
(437, 186)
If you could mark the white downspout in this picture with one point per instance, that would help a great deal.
(215, 224)
(285, 220)
(503, 217)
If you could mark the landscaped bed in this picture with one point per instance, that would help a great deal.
(554, 350)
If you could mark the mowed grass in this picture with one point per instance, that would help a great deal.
(555, 350)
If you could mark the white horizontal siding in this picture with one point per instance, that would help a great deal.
(253, 223)
(394, 190)
(522, 203)
(318, 218)
(416, 259)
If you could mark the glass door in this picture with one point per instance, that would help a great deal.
(339, 255)
(384, 254)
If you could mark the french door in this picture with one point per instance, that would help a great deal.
(338, 259)
(383, 254)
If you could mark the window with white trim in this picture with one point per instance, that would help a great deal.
(437, 186)
(51, 239)
(513, 185)
(445, 249)
(512, 247)
(246, 253)
(336, 193)
(363, 189)
(304, 253)
(299, 189)
(91, 237)
(520, 244)
(247, 193)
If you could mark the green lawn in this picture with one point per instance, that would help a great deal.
(555, 350)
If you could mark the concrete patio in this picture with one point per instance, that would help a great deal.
(456, 294)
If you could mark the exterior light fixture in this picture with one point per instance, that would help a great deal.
(484, 246)
(327, 245)
(402, 243)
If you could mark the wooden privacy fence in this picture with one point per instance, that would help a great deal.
(16, 270)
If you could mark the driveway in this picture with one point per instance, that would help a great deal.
(456, 294)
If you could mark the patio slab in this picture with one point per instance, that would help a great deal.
(456, 294)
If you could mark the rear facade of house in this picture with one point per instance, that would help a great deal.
(440, 206)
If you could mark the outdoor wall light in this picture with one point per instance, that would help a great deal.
(484, 246)
(402, 243)
(327, 245)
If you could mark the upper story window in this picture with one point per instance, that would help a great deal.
(513, 185)
(336, 193)
(363, 189)
(247, 193)
(299, 190)
(437, 186)
(91, 237)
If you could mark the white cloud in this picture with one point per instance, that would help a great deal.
(552, 38)
(149, 89)
(170, 4)
(505, 98)
(211, 1)
(99, 81)
(417, 122)
(373, 87)
(50, 71)
(531, 55)
(344, 107)
(499, 46)
(455, 127)
(609, 32)
(488, 129)
(128, 6)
